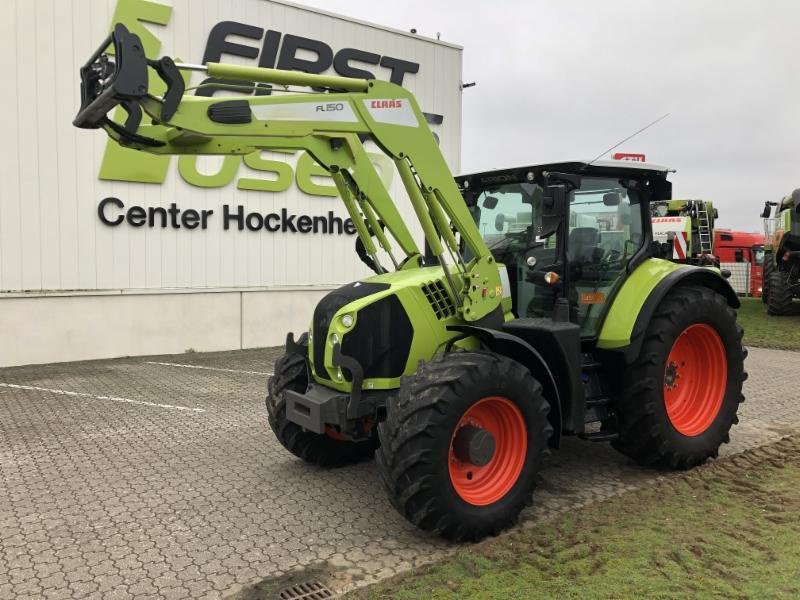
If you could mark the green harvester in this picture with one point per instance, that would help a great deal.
(781, 254)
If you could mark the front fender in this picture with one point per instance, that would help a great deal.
(522, 352)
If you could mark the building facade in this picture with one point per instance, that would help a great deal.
(107, 252)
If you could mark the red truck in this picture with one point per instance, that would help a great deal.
(742, 253)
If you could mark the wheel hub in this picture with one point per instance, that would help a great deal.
(474, 445)
(487, 450)
(671, 376)
(695, 379)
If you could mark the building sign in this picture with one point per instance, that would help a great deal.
(113, 212)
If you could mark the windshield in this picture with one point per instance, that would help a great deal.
(602, 205)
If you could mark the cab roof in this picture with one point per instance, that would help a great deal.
(586, 167)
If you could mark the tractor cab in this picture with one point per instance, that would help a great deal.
(571, 229)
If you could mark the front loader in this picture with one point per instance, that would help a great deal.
(781, 264)
(533, 310)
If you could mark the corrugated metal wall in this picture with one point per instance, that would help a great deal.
(50, 235)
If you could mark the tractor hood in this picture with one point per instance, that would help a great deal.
(386, 323)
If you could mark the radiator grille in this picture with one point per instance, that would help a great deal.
(439, 299)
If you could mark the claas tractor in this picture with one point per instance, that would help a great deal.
(533, 310)
(781, 270)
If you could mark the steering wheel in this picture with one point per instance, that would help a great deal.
(611, 256)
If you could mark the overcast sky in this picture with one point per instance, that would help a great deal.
(560, 80)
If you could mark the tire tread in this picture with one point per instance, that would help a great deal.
(425, 401)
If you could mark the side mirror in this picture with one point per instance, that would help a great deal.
(716, 214)
(554, 208)
(766, 212)
(611, 199)
(490, 202)
(499, 221)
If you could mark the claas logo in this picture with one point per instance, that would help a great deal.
(386, 104)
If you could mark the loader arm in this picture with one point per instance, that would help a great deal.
(329, 125)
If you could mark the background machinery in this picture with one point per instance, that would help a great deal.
(535, 309)
(685, 229)
(781, 253)
(741, 253)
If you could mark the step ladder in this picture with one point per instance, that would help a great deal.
(704, 228)
(597, 407)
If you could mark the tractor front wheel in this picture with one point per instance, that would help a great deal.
(323, 450)
(463, 443)
(681, 395)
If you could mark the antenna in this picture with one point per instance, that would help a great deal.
(634, 134)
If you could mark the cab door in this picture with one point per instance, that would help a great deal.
(604, 232)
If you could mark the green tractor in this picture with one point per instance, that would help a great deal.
(781, 254)
(534, 310)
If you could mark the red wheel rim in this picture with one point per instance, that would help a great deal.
(488, 484)
(695, 378)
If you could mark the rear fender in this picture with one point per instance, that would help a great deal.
(634, 306)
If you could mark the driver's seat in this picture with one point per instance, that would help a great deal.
(583, 242)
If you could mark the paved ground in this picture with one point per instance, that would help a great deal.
(141, 478)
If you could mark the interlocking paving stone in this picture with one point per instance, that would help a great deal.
(107, 499)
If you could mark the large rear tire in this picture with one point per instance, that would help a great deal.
(322, 450)
(681, 395)
(463, 443)
(779, 302)
(767, 268)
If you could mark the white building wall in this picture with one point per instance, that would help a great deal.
(74, 288)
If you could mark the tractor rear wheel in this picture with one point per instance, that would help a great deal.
(767, 268)
(779, 302)
(682, 393)
(323, 450)
(463, 443)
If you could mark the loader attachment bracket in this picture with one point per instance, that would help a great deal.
(121, 79)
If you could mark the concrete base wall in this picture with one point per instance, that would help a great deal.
(46, 329)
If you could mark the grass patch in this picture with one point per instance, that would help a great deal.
(761, 329)
(728, 529)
